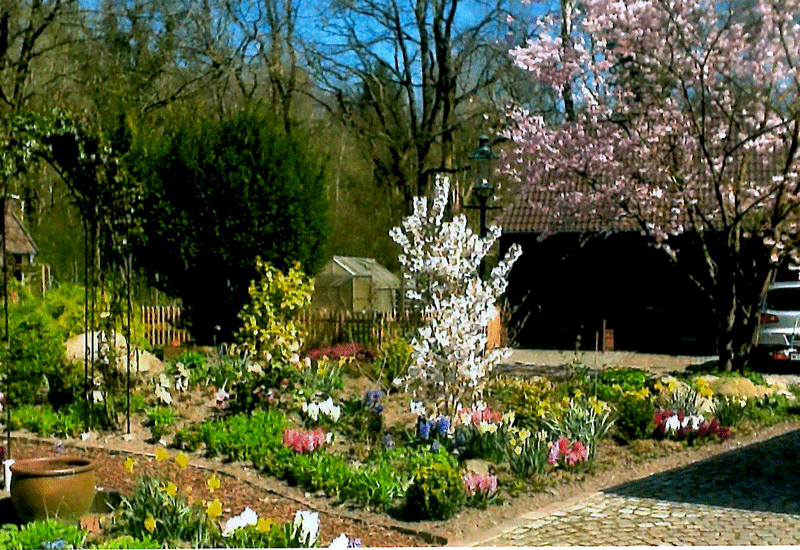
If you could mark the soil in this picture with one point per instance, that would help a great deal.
(242, 486)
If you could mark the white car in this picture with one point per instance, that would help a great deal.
(779, 323)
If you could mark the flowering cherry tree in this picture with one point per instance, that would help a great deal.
(440, 260)
(681, 117)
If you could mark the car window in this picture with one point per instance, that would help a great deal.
(783, 299)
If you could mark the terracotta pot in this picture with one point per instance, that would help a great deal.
(50, 487)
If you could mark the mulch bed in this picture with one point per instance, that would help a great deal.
(236, 491)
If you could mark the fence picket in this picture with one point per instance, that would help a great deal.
(160, 324)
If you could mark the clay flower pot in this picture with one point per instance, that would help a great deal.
(50, 487)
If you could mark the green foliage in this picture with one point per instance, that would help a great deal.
(36, 349)
(323, 376)
(175, 522)
(729, 411)
(529, 399)
(43, 420)
(484, 445)
(218, 195)
(36, 533)
(271, 327)
(771, 409)
(634, 418)
(436, 492)
(277, 536)
(526, 452)
(160, 419)
(392, 362)
(613, 383)
(127, 541)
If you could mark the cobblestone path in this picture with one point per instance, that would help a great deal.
(748, 496)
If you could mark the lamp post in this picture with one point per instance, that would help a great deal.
(481, 169)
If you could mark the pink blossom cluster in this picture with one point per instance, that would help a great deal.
(480, 484)
(682, 425)
(476, 417)
(562, 452)
(305, 441)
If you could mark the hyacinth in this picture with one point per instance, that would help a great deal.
(247, 517)
(440, 260)
(305, 441)
(563, 452)
(482, 484)
(305, 528)
(680, 425)
(372, 401)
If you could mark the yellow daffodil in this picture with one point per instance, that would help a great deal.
(181, 460)
(264, 525)
(658, 386)
(213, 483)
(518, 450)
(214, 509)
(616, 387)
(161, 454)
(129, 464)
(171, 489)
(577, 393)
(150, 523)
(524, 433)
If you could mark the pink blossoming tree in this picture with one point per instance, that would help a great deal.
(680, 117)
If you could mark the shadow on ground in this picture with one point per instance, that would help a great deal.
(762, 477)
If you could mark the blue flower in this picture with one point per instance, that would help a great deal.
(353, 543)
(435, 446)
(56, 545)
(423, 429)
(387, 440)
(443, 425)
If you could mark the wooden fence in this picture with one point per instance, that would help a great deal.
(160, 325)
(370, 329)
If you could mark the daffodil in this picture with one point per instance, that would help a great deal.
(150, 523)
(129, 464)
(214, 509)
(181, 460)
(213, 483)
(171, 489)
(161, 454)
(264, 525)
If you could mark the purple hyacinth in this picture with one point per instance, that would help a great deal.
(371, 401)
(354, 543)
(443, 425)
(424, 429)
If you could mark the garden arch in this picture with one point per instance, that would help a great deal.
(107, 199)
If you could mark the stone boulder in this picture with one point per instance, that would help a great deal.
(142, 362)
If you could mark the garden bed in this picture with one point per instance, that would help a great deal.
(241, 487)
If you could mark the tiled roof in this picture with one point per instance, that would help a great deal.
(18, 240)
(532, 212)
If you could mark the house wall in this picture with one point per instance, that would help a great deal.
(568, 287)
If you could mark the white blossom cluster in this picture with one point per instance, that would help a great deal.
(440, 261)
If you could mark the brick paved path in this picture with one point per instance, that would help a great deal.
(750, 495)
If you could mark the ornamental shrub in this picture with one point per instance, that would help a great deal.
(634, 418)
(271, 328)
(436, 492)
(613, 383)
(392, 362)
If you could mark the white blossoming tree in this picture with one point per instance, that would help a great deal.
(440, 261)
